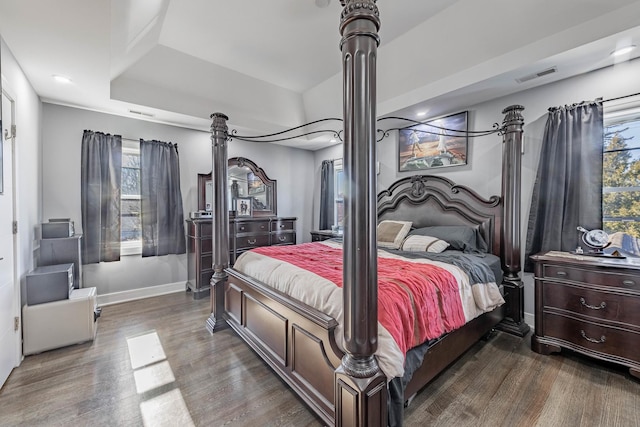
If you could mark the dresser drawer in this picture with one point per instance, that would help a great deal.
(248, 242)
(199, 228)
(206, 246)
(591, 337)
(206, 261)
(205, 279)
(282, 225)
(605, 278)
(594, 303)
(252, 227)
(283, 238)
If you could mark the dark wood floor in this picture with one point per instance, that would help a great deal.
(193, 378)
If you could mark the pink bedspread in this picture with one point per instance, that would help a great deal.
(408, 287)
(416, 302)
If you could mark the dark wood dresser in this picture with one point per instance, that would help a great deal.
(320, 235)
(244, 234)
(590, 305)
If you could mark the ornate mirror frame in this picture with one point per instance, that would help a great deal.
(271, 186)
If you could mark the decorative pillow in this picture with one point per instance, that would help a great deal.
(391, 233)
(460, 237)
(417, 243)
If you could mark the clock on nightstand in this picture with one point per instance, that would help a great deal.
(589, 305)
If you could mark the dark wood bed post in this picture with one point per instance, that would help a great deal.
(510, 245)
(361, 392)
(219, 138)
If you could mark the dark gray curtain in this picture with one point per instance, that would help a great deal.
(326, 195)
(568, 188)
(100, 196)
(161, 199)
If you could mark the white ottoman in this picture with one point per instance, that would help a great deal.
(60, 323)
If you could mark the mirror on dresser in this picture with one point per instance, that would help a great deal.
(260, 227)
(246, 180)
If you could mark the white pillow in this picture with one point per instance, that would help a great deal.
(392, 233)
(416, 243)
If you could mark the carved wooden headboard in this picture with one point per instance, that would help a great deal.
(429, 200)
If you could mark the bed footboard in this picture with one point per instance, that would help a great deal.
(296, 340)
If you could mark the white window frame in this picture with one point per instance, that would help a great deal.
(619, 113)
(130, 247)
(337, 168)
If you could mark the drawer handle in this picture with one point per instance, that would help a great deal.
(252, 241)
(281, 225)
(593, 340)
(593, 307)
(282, 238)
(262, 226)
(561, 273)
(242, 228)
(628, 282)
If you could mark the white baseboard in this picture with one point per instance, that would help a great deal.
(134, 294)
(529, 319)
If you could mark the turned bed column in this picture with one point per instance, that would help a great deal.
(361, 397)
(510, 245)
(219, 138)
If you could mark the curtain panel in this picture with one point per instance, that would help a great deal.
(162, 216)
(327, 197)
(568, 189)
(100, 196)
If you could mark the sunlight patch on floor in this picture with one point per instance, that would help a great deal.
(153, 376)
(168, 409)
(151, 371)
(145, 349)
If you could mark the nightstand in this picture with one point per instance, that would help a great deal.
(590, 305)
(320, 235)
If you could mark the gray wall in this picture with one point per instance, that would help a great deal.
(61, 145)
(483, 170)
(27, 170)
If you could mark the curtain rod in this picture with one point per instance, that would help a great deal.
(138, 140)
(622, 97)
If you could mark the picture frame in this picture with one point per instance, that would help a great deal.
(244, 206)
(254, 184)
(436, 143)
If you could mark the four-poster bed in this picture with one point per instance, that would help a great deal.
(340, 379)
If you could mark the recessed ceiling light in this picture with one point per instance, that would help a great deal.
(421, 113)
(623, 50)
(61, 79)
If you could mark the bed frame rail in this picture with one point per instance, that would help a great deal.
(296, 340)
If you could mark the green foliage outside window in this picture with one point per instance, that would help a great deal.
(621, 179)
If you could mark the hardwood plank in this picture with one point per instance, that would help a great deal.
(222, 382)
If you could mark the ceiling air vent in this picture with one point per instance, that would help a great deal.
(536, 75)
(140, 113)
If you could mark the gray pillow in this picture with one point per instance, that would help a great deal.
(460, 237)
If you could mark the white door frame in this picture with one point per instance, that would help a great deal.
(17, 312)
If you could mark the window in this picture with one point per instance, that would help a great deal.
(621, 175)
(130, 229)
(338, 191)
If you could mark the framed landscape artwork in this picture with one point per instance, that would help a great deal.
(437, 143)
